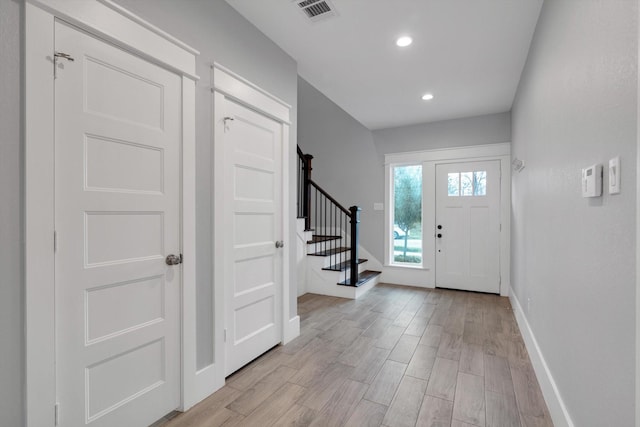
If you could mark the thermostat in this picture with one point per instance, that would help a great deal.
(592, 181)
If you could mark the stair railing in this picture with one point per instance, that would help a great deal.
(335, 228)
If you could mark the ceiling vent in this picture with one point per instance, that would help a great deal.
(316, 10)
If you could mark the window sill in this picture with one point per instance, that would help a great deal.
(407, 266)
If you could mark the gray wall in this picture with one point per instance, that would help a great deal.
(345, 162)
(573, 260)
(223, 36)
(11, 247)
(349, 158)
(489, 129)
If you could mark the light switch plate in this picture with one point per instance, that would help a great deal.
(614, 175)
(378, 206)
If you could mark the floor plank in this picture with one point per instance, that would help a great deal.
(341, 405)
(497, 374)
(384, 386)
(422, 362)
(435, 412)
(468, 405)
(297, 416)
(403, 351)
(367, 414)
(279, 402)
(406, 404)
(442, 382)
(502, 410)
(254, 396)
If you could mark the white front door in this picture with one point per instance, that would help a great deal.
(253, 224)
(468, 226)
(117, 216)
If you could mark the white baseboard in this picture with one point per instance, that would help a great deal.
(291, 330)
(557, 408)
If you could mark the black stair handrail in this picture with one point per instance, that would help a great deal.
(328, 196)
(326, 216)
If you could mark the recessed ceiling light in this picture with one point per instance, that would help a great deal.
(404, 41)
(427, 96)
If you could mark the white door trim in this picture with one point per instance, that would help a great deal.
(425, 276)
(227, 84)
(112, 23)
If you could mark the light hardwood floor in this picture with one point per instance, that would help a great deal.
(399, 356)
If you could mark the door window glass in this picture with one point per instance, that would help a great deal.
(467, 183)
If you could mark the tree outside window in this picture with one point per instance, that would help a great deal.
(407, 214)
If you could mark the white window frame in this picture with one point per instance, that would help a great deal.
(110, 22)
(424, 276)
(389, 254)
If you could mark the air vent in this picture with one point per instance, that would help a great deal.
(316, 10)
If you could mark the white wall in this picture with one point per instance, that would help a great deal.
(11, 236)
(223, 36)
(573, 260)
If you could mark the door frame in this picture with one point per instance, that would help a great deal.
(229, 85)
(425, 276)
(112, 23)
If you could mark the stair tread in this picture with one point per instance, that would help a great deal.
(318, 238)
(343, 265)
(330, 251)
(363, 278)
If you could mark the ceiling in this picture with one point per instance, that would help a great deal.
(468, 53)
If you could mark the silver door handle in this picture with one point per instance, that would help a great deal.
(173, 259)
(279, 244)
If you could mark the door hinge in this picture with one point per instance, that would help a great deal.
(500, 280)
(500, 227)
(56, 414)
(225, 334)
(55, 241)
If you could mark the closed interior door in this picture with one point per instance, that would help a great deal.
(253, 218)
(117, 195)
(468, 226)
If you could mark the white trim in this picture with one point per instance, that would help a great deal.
(456, 153)
(236, 87)
(292, 330)
(39, 220)
(227, 84)
(424, 276)
(112, 23)
(188, 221)
(135, 18)
(637, 375)
(552, 397)
(115, 26)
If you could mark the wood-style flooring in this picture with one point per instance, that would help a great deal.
(396, 357)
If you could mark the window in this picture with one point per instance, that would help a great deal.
(467, 184)
(407, 215)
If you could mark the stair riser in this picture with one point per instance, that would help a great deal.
(339, 276)
(321, 262)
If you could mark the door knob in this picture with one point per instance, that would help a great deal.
(173, 259)
(279, 244)
(439, 227)
(439, 236)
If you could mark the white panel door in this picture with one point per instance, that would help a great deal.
(468, 226)
(117, 195)
(253, 215)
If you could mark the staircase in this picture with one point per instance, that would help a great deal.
(331, 233)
